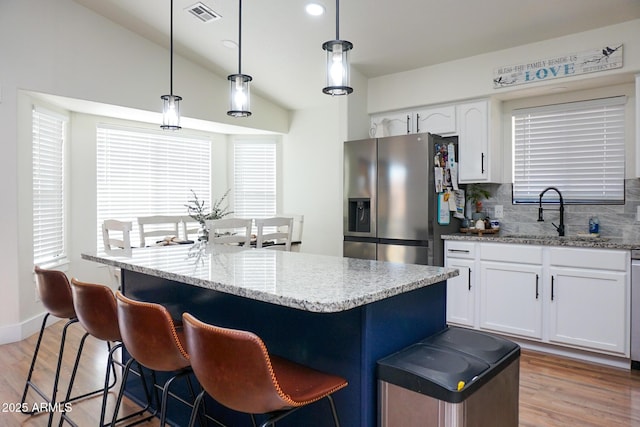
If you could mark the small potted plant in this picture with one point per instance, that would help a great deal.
(475, 194)
(197, 210)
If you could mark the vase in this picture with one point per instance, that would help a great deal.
(203, 233)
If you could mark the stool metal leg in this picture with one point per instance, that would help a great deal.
(28, 384)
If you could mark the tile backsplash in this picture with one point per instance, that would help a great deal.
(615, 220)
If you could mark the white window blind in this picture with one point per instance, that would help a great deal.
(142, 173)
(576, 147)
(48, 136)
(254, 178)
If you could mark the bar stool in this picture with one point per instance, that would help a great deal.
(55, 293)
(150, 336)
(95, 307)
(235, 369)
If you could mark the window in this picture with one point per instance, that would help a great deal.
(576, 147)
(48, 136)
(144, 172)
(254, 177)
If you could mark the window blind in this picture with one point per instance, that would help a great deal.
(577, 147)
(254, 178)
(48, 136)
(142, 173)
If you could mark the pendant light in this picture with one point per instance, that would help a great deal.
(171, 102)
(239, 93)
(337, 62)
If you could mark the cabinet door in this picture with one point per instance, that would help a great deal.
(438, 120)
(511, 298)
(461, 293)
(588, 309)
(473, 134)
(391, 124)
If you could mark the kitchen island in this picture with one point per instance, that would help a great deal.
(338, 315)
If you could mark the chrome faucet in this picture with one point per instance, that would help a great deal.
(560, 227)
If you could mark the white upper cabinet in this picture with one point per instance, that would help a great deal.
(479, 143)
(439, 120)
(477, 124)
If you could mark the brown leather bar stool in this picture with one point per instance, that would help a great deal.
(235, 369)
(55, 293)
(151, 337)
(96, 310)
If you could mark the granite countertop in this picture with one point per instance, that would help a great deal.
(309, 282)
(550, 240)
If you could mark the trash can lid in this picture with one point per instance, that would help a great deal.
(484, 346)
(433, 371)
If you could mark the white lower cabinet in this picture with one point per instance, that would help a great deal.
(461, 290)
(588, 309)
(571, 297)
(510, 298)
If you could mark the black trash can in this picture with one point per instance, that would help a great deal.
(457, 377)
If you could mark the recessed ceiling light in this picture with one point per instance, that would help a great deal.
(314, 9)
(230, 44)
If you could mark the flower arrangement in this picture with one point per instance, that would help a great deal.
(197, 209)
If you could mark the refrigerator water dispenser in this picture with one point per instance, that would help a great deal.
(360, 215)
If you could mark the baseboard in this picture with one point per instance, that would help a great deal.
(19, 331)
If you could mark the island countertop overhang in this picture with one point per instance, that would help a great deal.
(310, 282)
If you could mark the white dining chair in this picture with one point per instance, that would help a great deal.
(230, 231)
(278, 229)
(120, 243)
(116, 237)
(190, 228)
(158, 226)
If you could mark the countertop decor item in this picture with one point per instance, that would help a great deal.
(475, 193)
(197, 209)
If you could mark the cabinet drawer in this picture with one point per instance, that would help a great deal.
(522, 254)
(455, 249)
(601, 259)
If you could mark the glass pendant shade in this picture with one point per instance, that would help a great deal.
(239, 95)
(171, 112)
(337, 67)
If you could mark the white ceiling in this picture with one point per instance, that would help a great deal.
(281, 44)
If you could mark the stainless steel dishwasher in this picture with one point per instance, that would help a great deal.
(635, 309)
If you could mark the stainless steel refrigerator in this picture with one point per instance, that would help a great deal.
(390, 200)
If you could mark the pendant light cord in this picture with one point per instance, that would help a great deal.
(171, 48)
(337, 19)
(239, 36)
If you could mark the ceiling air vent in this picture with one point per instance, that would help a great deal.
(203, 12)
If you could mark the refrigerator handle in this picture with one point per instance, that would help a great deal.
(408, 123)
(482, 163)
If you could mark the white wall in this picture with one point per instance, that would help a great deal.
(61, 48)
(473, 77)
(312, 176)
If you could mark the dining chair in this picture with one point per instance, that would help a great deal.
(158, 226)
(230, 231)
(190, 228)
(121, 243)
(282, 233)
(298, 228)
(235, 368)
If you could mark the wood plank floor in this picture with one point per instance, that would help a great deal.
(554, 391)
